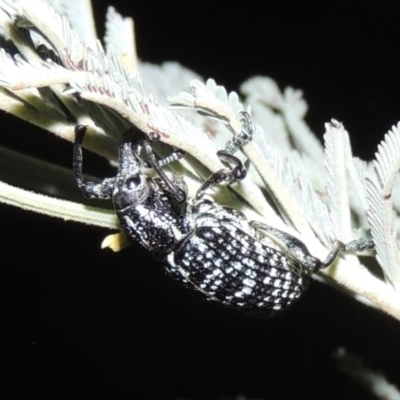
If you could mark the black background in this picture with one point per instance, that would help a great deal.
(78, 322)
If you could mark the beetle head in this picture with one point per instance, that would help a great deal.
(131, 186)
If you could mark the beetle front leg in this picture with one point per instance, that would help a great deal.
(90, 190)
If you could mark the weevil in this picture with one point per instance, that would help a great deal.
(209, 247)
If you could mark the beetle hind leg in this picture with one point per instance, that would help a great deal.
(298, 250)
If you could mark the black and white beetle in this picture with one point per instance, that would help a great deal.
(211, 248)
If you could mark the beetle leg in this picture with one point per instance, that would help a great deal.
(177, 193)
(244, 136)
(235, 170)
(298, 250)
(90, 190)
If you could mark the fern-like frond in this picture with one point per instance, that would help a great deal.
(120, 36)
(336, 160)
(55, 73)
(380, 212)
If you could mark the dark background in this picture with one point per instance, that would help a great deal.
(78, 322)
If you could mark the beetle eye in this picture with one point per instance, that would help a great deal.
(133, 182)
